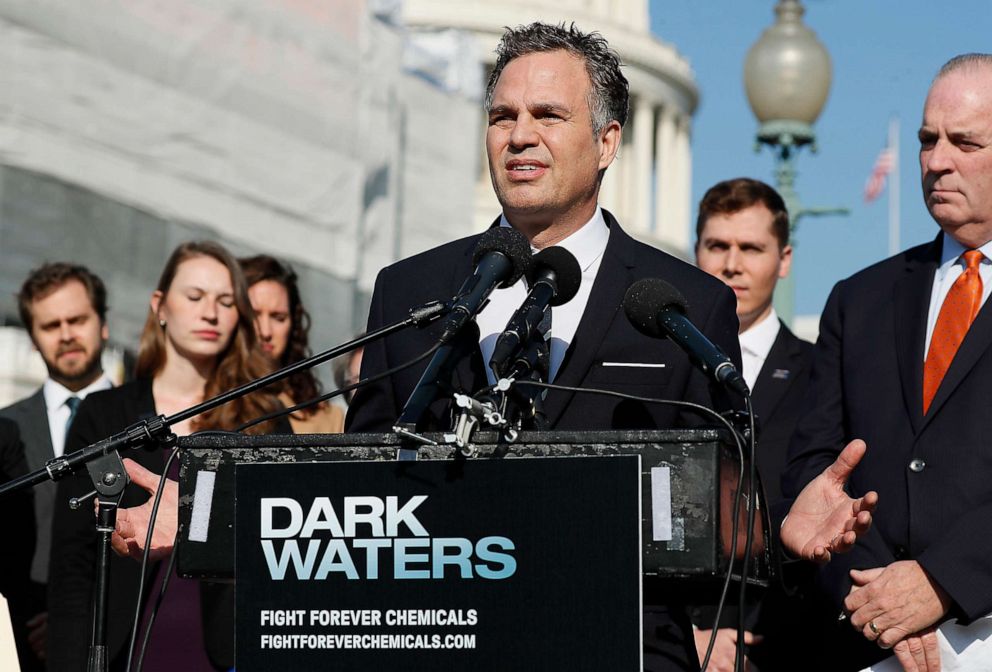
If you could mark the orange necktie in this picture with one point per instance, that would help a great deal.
(956, 315)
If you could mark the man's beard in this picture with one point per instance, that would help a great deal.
(84, 373)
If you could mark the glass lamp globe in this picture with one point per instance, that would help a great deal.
(787, 75)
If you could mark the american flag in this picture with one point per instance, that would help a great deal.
(876, 181)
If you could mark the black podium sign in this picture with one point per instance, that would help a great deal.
(439, 565)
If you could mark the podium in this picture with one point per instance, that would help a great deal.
(702, 470)
(527, 555)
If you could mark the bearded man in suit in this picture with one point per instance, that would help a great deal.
(64, 308)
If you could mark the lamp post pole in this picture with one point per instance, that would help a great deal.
(787, 79)
(784, 146)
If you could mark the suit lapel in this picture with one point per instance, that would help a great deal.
(35, 431)
(612, 280)
(783, 364)
(911, 303)
(976, 343)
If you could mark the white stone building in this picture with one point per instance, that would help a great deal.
(339, 135)
(298, 129)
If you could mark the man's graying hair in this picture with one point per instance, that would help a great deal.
(608, 99)
(964, 61)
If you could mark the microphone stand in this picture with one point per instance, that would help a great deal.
(106, 469)
(435, 379)
(525, 409)
(504, 407)
(109, 479)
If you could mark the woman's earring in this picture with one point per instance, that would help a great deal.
(161, 323)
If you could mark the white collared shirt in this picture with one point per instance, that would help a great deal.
(588, 245)
(56, 395)
(950, 269)
(756, 343)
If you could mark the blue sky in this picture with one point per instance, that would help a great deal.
(884, 54)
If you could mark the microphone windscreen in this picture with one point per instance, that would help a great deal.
(509, 242)
(568, 275)
(645, 299)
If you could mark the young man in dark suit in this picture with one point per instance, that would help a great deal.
(904, 361)
(742, 234)
(63, 306)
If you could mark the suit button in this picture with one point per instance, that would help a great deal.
(917, 465)
(900, 552)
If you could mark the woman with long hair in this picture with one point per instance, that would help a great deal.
(198, 341)
(283, 327)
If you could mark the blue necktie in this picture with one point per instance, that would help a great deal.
(73, 404)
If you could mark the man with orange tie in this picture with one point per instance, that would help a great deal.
(904, 361)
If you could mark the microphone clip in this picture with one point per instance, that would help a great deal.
(427, 313)
(474, 414)
(741, 422)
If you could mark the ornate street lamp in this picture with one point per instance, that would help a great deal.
(787, 79)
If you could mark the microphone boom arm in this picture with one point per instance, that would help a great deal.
(155, 429)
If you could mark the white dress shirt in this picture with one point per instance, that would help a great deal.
(950, 269)
(588, 245)
(962, 648)
(756, 343)
(56, 395)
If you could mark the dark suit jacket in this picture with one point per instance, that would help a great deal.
(73, 555)
(777, 399)
(31, 416)
(867, 383)
(604, 335)
(19, 523)
(19, 532)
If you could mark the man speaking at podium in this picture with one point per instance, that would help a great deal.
(556, 103)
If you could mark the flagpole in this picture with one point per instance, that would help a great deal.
(894, 244)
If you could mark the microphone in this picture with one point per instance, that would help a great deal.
(533, 355)
(657, 309)
(501, 256)
(554, 280)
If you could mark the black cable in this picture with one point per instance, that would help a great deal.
(341, 390)
(145, 557)
(158, 603)
(725, 590)
(698, 408)
(735, 530)
(752, 502)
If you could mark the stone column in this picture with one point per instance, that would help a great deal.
(640, 203)
(680, 233)
(609, 190)
(665, 161)
(622, 178)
